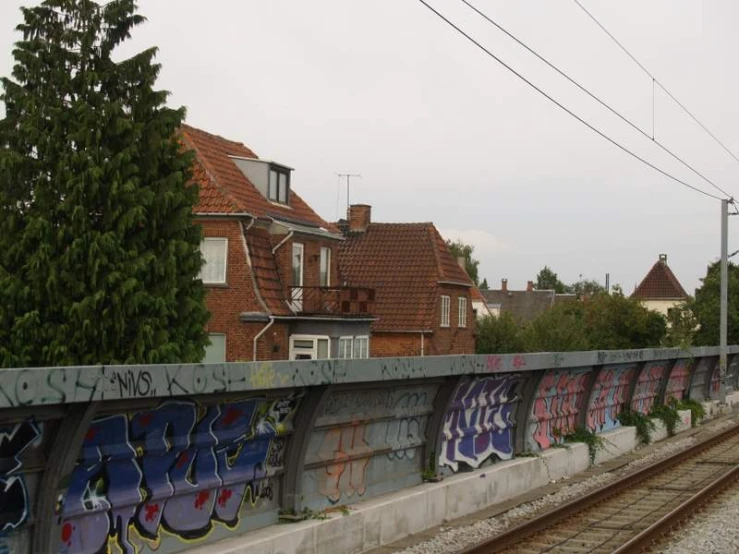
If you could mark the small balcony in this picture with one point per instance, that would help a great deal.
(336, 301)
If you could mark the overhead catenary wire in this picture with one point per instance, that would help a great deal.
(657, 82)
(594, 97)
(561, 106)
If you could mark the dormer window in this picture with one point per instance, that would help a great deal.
(278, 187)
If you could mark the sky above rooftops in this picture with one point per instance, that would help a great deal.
(440, 132)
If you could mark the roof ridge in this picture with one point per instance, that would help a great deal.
(219, 137)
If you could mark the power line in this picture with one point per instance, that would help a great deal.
(594, 97)
(540, 91)
(657, 81)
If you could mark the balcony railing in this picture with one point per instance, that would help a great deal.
(339, 301)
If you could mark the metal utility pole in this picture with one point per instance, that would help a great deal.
(723, 323)
(348, 177)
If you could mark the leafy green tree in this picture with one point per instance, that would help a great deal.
(681, 326)
(707, 306)
(586, 287)
(462, 250)
(547, 279)
(559, 329)
(484, 285)
(614, 321)
(499, 335)
(99, 257)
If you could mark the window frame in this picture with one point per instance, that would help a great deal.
(446, 306)
(327, 259)
(281, 180)
(462, 312)
(346, 340)
(352, 341)
(300, 246)
(313, 351)
(201, 275)
(225, 347)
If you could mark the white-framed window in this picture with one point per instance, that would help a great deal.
(445, 304)
(278, 186)
(215, 254)
(297, 264)
(462, 312)
(309, 347)
(215, 352)
(345, 347)
(325, 276)
(354, 347)
(361, 348)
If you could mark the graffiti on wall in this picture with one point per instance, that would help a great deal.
(14, 499)
(648, 387)
(608, 397)
(678, 381)
(366, 440)
(479, 424)
(558, 402)
(180, 468)
(348, 453)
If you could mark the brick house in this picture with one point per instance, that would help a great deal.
(423, 302)
(271, 270)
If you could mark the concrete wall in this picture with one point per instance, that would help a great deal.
(139, 459)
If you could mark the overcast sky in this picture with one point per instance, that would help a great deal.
(440, 132)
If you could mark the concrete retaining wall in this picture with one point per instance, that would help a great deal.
(145, 459)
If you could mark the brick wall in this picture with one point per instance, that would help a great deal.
(311, 263)
(390, 345)
(442, 341)
(226, 303)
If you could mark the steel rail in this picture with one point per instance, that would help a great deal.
(654, 532)
(516, 534)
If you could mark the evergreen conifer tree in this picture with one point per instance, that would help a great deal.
(99, 257)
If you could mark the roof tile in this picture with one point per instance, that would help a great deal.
(660, 283)
(225, 189)
(403, 262)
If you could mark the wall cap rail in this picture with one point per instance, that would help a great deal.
(44, 386)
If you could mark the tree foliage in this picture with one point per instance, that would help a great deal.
(600, 322)
(462, 250)
(586, 287)
(99, 257)
(681, 326)
(707, 307)
(499, 335)
(547, 279)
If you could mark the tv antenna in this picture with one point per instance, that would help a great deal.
(348, 177)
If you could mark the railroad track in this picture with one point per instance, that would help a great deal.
(628, 515)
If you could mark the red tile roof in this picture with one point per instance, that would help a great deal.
(403, 262)
(225, 189)
(660, 283)
(265, 272)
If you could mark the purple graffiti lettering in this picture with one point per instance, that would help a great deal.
(478, 424)
(179, 468)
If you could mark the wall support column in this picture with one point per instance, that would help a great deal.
(60, 464)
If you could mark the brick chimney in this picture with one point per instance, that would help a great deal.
(530, 286)
(359, 217)
(663, 258)
(504, 285)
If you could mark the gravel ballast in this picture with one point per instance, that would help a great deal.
(450, 540)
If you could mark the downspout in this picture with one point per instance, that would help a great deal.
(260, 333)
(421, 343)
(283, 241)
(271, 318)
